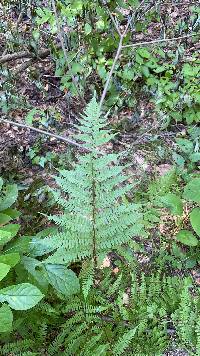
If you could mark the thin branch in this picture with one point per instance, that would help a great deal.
(11, 57)
(159, 40)
(119, 49)
(114, 21)
(105, 89)
(43, 132)
(43, 53)
(64, 50)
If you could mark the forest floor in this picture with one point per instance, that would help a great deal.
(29, 158)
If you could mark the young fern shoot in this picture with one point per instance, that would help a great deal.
(95, 218)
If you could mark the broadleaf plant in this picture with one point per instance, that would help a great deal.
(20, 296)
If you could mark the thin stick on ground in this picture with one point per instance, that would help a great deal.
(47, 133)
(43, 53)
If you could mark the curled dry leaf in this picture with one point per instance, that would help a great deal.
(125, 299)
(106, 263)
(116, 270)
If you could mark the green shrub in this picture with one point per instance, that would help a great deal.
(20, 296)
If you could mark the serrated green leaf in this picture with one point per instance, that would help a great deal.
(185, 145)
(62, 279)
(4, 219)
(20, 245)
(187, 238)
(9, 196)
(192, 190)
(1, 183)
(87, 29)
(6, 319)
(11, 259)
(76, 68)
(173, 202)
(100, 25)
(4, 269)
(8, 232)
(22, 296)
(5, 237)
(195, 157)
(143, 52)
(145, 71)
(195, 220)
(30, 116)
(13, 213)
(178, 159)
(33, 266)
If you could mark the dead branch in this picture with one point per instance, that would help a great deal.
(43, 53)
(146, 43)
(47, 133)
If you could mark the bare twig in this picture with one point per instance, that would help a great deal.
(105, 89)
(64, 50)
(145, 43)
(119, 49)
(47, 133)
(43, 53)
(114, 21)
(13, 56)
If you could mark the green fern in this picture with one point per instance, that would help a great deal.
(197, 330)
(124, 342)
(186, 319)
(16, 347)
(95, 219)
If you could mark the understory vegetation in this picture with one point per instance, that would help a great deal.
(99, 177)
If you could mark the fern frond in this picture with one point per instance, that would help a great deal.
(17, 347)
(123, 342)
(87, 277)
(95, 218)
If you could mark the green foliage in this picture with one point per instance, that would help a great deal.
(95, 219)
(172, 84)
(195, 220)
(192, 190)
(187, 238)
(90, 309)
(186, 320)
(125, 321)
(187, 151)
(106, 313)
(181, 201)
(20, 296)
(177, 92)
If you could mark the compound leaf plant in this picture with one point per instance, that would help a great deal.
(96, 217)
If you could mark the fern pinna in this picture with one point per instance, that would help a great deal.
(95, 218)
